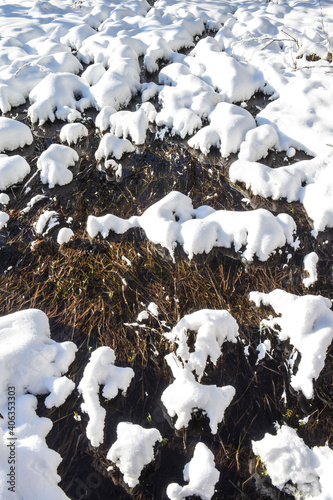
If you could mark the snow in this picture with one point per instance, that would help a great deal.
(128, 123)
(288, 458)
(53, 165)
(101, 370)
(45, 219)
(173, 220)
(13, 135)
(307, 322)
(110, 144)
(310, 262)
(73, 132)
(13, 169)
(212, 328)
(4, 218)
(186, 395)
(201, 475)
(133, 450)
(153, 309)
(263, 348)
(4, 199)
(65, 235)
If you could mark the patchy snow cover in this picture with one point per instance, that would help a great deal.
(65, 235)
(53, 164)
(309, 181)
(31, 361)
(212, 328)
(133, 450)
(101, 370)
(13, 169)
(310, 265)
(186, 395)
(288, 459)
(110, 144)
(73, 132)
(173, 220)
(307, 322)
(201, 475)
(13, 134)
(4, 218)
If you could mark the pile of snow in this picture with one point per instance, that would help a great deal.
(310, 265)
(73, 132)
(53, 164)
(30, 362)
(65, 235)
(307, 322)
(213, 329)
(13, 134)
(47, 218)
(128, 123)
(294, 467)
(111, 145)
(309, 181)
(133, 450)
(201, 475)
(101, 370)
(173, 220)
(13, 169)
(4, 198)
(4, 218)
(185, 395)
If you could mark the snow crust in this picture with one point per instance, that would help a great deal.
(173, 220)
(133, 450)
(201, 475)
(101, 370)
(13, 134)
(53, 164)
(307, 322)
(186, 395)
(288, 458)
(212, 328)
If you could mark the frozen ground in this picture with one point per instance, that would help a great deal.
(166, 185)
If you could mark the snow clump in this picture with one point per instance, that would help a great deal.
(201, 475)
(186, 395)
(65, 235)
(212, 328)
(173, 220)
(53, 164)
(111, 145)
(13, 134)
(289, 460)
(310, 262)
(101, 370)
(133, 450)
(13, 169)
(307, 322)
(73, 132)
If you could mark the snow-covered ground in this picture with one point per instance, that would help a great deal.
(122, 72)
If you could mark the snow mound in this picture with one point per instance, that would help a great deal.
(47, 218)
(31, 361)
(73, 132)
(101, 371)
(65, 235)
(35, 469)
(257, 143)
(288, 459)
(212, 328)
(310, 262)
(53, 164)
(173, 220)
(309, 181)
(186, 395)
(110, 144)
(130, 123)
(133, 450)
(13, 169)
(66, 93)
(4, 218)
(228, 127)
(13, 134)
(201, 475)
(102, 120)
(307, 322)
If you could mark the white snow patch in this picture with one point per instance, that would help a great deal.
(65, 235)
(13, 134)
(110, 144)
(4, 218)
(53, 164)
(133, 450)
(310, 265)
(73, 132)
